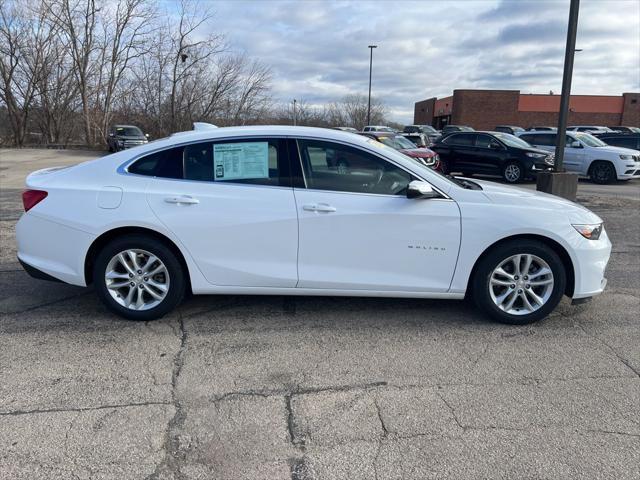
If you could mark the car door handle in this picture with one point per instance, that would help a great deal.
(319, 207)
(182, 200)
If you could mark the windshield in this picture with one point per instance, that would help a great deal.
(511, 140)
(398, 142)
(428, 128)
(129, 131)
(589, 140)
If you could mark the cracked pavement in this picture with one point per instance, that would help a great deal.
(307, 388)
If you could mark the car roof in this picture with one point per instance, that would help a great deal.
(125, 126)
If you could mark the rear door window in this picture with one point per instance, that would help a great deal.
(460, 139)
(246, 161)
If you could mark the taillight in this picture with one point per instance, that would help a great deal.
(30, 198)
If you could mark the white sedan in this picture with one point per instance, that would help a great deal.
(266, 210)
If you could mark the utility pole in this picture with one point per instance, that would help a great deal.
(566, 84)
(558, 182)
(371, 47)
(294, 112)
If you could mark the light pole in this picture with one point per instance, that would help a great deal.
(371, 47)
(566, 84)
(559, 182)
(294, 112)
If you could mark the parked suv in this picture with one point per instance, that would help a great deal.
(623, 129)
(512, 129)
(590, 156)
(431, 133)
(620, 139)
(589, 128)
(491, 153)
(446, 130)
(125, 136)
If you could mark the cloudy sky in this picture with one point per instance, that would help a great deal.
(318, 49)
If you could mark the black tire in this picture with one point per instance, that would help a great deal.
(513, 172)
(177, 284)
(480, 283)
(110, 148)
(602, 172)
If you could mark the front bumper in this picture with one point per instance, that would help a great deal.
(592, 257)
(628, 169)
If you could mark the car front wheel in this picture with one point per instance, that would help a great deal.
(139, 277)
(602, 172)
(519, 282)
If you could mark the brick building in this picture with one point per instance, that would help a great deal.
(484, 109)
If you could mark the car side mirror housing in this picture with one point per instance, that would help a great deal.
(576, 145)
(420, 189)
(495, 146)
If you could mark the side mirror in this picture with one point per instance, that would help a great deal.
(420, 189)
(575, 145)
(495, 146)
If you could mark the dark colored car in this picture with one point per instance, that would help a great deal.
(626, 140)
(125, 136)
(624, 129)
(512, 129)
(491, 153)
(447, 129)
(398, 142)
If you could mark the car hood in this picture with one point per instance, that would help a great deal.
(509, 195)
(619, 150)
(536, 150)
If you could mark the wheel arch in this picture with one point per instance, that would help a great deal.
(109, 235)
(554, 245)
(600, 160)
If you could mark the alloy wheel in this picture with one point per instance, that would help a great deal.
(521, 284)
(512, 172)
(137, 279)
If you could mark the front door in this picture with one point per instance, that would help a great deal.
(231, 205)
(358, 231)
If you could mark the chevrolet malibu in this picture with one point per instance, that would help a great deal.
(264, 211)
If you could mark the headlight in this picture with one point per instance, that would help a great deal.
(589, 231)
(626, 157)
(535, 155)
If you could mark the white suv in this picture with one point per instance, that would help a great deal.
(590, 156)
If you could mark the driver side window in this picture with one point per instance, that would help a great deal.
(335, 167)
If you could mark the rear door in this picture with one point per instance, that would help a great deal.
(490, 154)
(359, 231)
(231, 204)
(461, 152)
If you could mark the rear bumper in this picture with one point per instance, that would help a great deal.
(52, 249)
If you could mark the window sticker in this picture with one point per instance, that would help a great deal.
(234, 161)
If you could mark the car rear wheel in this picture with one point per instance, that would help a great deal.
(513, 172)
(519, 282)
(139, 277)
(602, 172)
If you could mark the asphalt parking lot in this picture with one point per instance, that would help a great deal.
(308, 388)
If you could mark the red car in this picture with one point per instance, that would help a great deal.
(423, 155)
